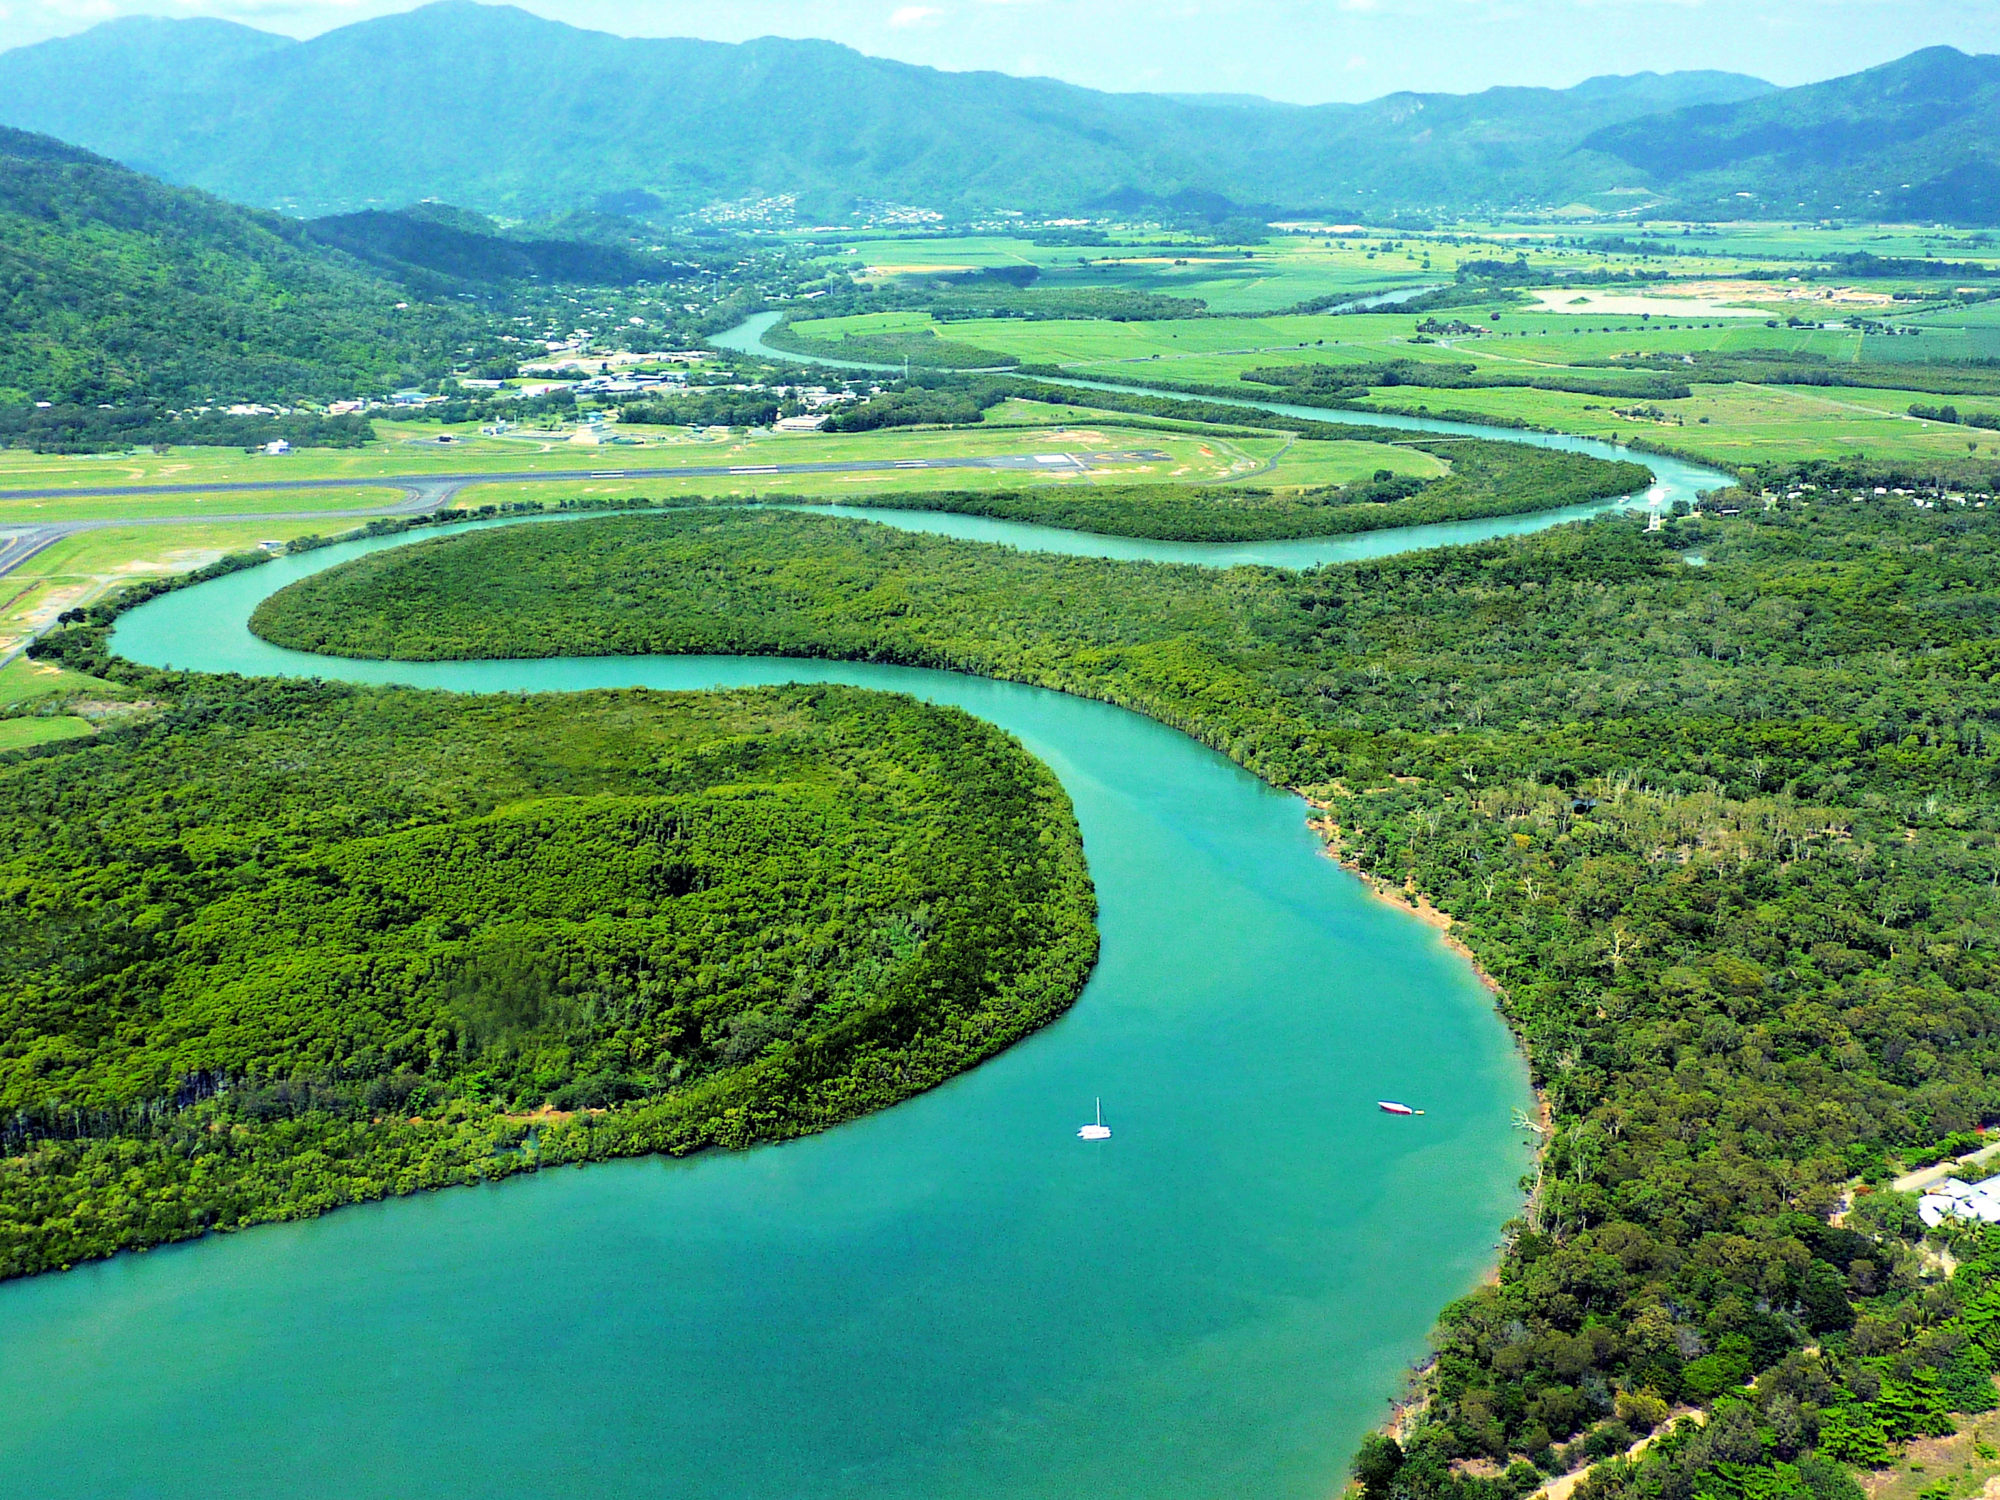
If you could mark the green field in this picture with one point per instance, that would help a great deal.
(1273, 461)
(23, 681)
(1284, 270)
(192, 507)
(1793, 242)
(1016, 429)
(1280, 273)
(1744, 423)
(1542, 336)
(1730, 423)
(23, 733)
(33, 693)
(82, 567)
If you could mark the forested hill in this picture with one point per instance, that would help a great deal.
(285, 946)
(442, 251)
(404, 107)
(120, 288)
(1917, 138)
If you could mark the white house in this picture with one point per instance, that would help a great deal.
(1953, 1199)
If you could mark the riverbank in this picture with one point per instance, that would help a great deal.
(1405, 897)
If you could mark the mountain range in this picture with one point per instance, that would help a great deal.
(508, 113)
(1914, 139)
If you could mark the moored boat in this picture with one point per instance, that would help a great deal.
(1098, 1132)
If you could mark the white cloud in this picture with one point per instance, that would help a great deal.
(914, 15)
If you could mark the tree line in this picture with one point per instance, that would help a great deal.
(71, 428)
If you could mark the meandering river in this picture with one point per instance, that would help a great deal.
(952, 1298)
(1675, 479)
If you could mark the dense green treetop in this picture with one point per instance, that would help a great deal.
(114, 287)
(285, 945)
(1724, 836)
(1486, 479)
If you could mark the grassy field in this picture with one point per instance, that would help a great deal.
(71, 704)
(1759, 241)
(82, 567)
(1080, 342)
(1015, 429)
(1946, 1468)
(21, 734)
(666, 449)
(1274, 461)
(23, 681)
(191, 507)
(1311, 262)
(1282, 272)
(403, 448)
(1541, 336)
(1743, 422)
(1729, 423)
(1278, 274)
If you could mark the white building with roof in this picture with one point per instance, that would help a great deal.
(1953, 1199)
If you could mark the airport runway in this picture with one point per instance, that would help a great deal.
(428, 492)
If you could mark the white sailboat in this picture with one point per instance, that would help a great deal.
(1099, 1131)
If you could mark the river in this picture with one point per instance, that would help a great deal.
(951, 1298)
(1675, 479)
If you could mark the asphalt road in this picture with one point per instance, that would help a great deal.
(427, 492)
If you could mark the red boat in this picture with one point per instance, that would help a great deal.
(1391, 1107)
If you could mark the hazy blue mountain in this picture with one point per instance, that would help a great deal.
(127, 77)
(1919, 136)
(509, 113)
(506, 112)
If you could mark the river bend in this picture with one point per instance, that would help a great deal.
(951, 1298)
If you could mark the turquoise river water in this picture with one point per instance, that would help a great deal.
(952, 1298)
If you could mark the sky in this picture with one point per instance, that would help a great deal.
(1306, 51)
